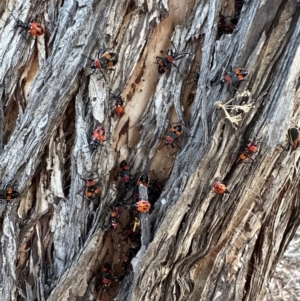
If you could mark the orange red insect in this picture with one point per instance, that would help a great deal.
(99, 137)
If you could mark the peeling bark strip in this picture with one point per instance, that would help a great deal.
(202, 246)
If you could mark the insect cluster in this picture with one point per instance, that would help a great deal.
(136, 197)
(251, 149)
(34, 29)
(143, 193)
(137, 193)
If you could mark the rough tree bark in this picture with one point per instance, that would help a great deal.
(202, 246)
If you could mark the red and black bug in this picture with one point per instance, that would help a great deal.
(249, 151)
(92, 188)
(34, 28)
(106, 267)
(119, 105)
(143, 206)
(107, 276)
(8, 193)
(220, 188)
(141, 196)
(105, 59)
(114, 223)
(165, 64)
(234, 76)
(173, 135)
(99, 137)
(114, 213)
(124, 172)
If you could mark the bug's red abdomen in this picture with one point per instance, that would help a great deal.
(170, 58)
(36, 29)
(119, 110)
(252, 148)
(98, 64)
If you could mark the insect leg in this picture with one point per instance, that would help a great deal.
(159, 59)
(181, 55)
(177, 144)
(177, 69)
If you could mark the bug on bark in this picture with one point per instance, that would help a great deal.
(220, 188)
(119, 105)
(34, 28)
(234, 76)
(173, 135)
(140, 197)
(8, 193)
(249, 151)
(99, 137)
(165, 64)
(92, 188)
(105, 59)
(114, 221)
(143, 206)
(124, 172)
(107, 276)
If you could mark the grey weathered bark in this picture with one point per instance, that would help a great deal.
(203, 246)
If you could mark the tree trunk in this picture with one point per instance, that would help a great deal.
(196, 245)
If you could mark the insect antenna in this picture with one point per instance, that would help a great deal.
(115, 96)
(173, 45)
(13, 15)
(87, 57)
(103, 76)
